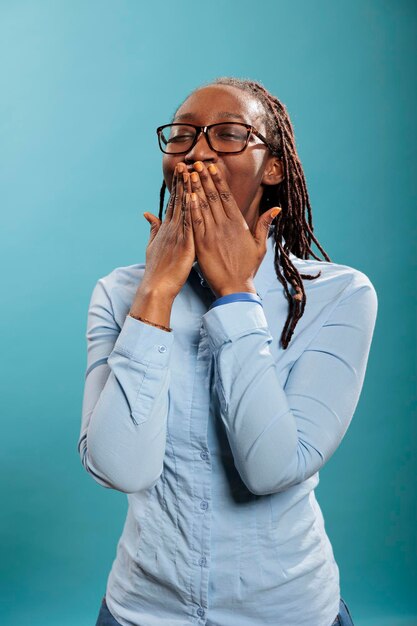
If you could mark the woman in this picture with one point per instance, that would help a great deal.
(219, 383)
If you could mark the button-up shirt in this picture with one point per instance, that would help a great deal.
(217, 435)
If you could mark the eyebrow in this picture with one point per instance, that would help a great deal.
(192, 116)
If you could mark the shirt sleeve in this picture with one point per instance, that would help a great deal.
(280, 436)
(125, 402)
(239, 296)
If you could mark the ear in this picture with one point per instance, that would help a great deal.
(274, 171)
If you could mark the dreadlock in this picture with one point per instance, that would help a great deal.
(290, 194)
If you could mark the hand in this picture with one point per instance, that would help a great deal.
(170, 252)
(228, 253)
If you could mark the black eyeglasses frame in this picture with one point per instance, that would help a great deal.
(203, 129)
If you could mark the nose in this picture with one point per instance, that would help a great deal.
(201, 151)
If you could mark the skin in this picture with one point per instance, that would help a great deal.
(229, 234)
(221, 227)
(246, 173)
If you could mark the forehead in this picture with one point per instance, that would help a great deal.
(210, 104)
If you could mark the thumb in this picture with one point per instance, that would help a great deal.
(263, 224)
(154, 222)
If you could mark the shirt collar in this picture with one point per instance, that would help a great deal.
(265, 275)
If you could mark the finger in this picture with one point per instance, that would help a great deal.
(170, 207)
(187, 204)
(197, 219)
(208, 187)
(187, 181)
(202, 205)
(179, 194)
(229, 204)
(187, 226)
(262, 227)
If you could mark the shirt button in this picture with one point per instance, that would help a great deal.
(203, 504)
(204, 455)
(202, 561)
(162, 348)
(200, 611)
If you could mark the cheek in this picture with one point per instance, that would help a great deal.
(168, 167)
(244, 182)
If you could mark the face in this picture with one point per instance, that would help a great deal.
(246, 173)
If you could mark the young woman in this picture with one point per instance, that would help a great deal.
(222, 375)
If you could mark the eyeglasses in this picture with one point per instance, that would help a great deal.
(225, 137)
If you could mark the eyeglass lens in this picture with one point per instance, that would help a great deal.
(226, 137)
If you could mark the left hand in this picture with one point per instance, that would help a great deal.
(228, 254)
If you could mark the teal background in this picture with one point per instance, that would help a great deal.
(83, 86)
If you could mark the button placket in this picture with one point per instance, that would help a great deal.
(198, 432)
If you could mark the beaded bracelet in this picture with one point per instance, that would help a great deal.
(142, 319)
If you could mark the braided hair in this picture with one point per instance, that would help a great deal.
(290, 194)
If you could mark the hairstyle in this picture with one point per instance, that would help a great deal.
(290, 194)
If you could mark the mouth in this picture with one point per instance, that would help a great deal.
(189, 169)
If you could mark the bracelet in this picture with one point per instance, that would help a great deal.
(142, 319)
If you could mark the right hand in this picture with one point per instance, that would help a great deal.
(170, 252)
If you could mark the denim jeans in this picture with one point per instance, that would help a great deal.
(105, 618)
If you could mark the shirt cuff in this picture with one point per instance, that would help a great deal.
(239, 296)
(226, 323)
(144, 343)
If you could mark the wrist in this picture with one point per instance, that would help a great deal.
(152, 304)
(247, 287)
(152, 293)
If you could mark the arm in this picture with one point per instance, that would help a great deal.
(125, 403)
(281, 436)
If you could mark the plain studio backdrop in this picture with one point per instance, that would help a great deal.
(84, 84)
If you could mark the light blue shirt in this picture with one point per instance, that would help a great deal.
(217, 435)
(238, 296)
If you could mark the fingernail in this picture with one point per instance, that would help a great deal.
(193, 197)
(194, 177)
(185, 176)
(212, 169)
(180, 168)
(275, 212)
(198, 166)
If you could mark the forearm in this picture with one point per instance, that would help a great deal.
(259, 424)
(281, 432)
(153, 304)
(124, 431)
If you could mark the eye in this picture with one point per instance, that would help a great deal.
(177, 134)
(179, 138)
(230, 132)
